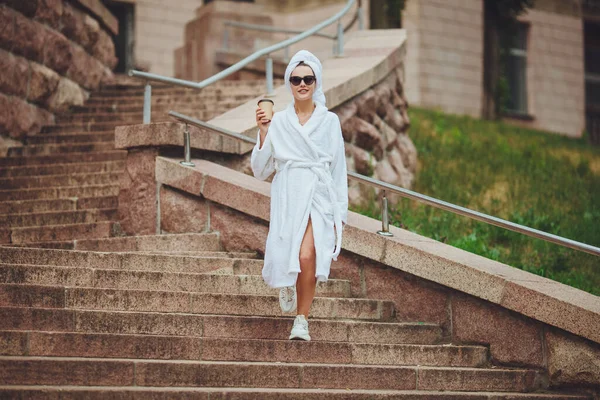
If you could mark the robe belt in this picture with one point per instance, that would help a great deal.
(321, 170)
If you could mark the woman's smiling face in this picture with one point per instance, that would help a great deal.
(303, 92)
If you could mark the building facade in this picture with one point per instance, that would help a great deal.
(549, 67)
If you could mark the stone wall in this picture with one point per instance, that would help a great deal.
(52, 54)
(375, 125)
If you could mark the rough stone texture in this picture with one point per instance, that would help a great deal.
(137, 197)
(572, 361)
(43, 83)
(181, 212)
(363, 163)
(67, 94)
(58, 51)
(6, 143)
(513, 339)
(15, 72)
(239, 232)
(19, 118)
(415, 299)
(49, 50)
(50, 12)
(374, 125)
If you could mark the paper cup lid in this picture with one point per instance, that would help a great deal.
(261, 100)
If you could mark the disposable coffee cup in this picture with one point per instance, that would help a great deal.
(267, 106)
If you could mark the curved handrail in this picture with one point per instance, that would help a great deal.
(253, 57)
(273, 29)
(415, 196)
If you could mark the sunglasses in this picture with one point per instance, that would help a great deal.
(308, 80)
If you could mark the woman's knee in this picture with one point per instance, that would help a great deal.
(307, 256)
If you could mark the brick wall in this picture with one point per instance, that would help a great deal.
(52, 53)
(445, 54)
(556, 87)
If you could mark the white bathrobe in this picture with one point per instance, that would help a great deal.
(310, 182)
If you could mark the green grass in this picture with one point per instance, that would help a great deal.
(533, 178)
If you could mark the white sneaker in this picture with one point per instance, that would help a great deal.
(287, 298)
(300, 329)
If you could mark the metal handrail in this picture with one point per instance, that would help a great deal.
(411, 195)
(149, 77)
(273, 29)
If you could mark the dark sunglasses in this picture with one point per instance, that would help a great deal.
(308, 79)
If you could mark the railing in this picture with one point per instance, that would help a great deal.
(386, 187)
(148, 77)
(337, 50)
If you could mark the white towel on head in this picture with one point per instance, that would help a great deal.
(313, 62)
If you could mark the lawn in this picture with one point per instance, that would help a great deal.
(541, 180)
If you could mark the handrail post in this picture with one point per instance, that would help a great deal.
(340, 39)
(269, 71)
(286, 54)
(361, 16)
(147, 116)
(385, 223)
(225, 37)
(187, 151)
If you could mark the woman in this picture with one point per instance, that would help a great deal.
(309, 194)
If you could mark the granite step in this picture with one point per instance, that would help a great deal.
(49, 205)
(84, 137)
(141, 393)
(62, 169)
(151, 281)
(22, 295)
(213, 326)
(183, 242)
(59, 192)
(48, 149)
(54, 233)
(60, 344)
(58, 218)
(166, 373)
(51, 181)
(114, 155)
(134, 261)
(62, 245)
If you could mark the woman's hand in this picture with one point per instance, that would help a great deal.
(262, 122)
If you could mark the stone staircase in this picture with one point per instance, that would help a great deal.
(63, 185)
(173, 316)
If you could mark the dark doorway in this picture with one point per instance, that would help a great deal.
(386, 14)
(124, 41)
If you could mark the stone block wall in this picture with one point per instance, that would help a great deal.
(444, 61)
(555, 72)
(375, 127)
(52, 54)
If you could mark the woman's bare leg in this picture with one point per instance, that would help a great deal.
(307, 281)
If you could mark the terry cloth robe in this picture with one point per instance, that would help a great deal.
(311, 181)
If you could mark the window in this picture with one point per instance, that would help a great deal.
(592, 80)
(516, 71)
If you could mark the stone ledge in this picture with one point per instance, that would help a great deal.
(367, 62)
(536, 297)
